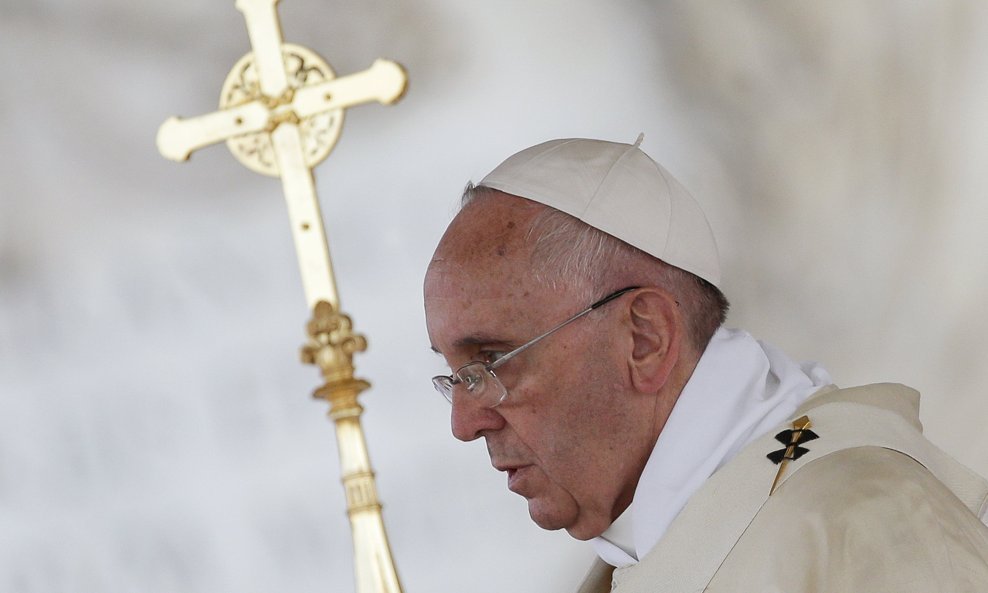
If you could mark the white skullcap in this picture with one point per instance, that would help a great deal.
(618, 189)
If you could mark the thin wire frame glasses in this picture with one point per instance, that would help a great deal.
(479, 378)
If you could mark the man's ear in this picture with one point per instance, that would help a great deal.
(657, 332)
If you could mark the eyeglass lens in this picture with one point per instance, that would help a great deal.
(475, 378)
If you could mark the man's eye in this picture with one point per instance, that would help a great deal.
(489, 356)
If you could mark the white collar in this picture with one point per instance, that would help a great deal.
(741, 388)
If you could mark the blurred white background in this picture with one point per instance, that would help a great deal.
(156, 432)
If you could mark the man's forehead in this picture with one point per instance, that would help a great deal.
(488, 240)
(453, 278)
(489, 226)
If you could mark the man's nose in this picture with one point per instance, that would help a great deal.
(470, 419)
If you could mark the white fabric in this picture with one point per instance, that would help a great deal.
(837, 509)
(617, 188)
(740, 389)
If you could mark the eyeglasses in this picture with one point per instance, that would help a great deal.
(478, 377)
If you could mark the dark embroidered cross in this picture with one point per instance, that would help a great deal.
(792, 439)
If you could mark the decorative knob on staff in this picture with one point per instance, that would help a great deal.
(281, 111)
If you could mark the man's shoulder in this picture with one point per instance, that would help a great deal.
(887, 415)
(899, 399)
(865, 518)
(870, 480)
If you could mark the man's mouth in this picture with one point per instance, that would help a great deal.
(515, 474)
(515, 470)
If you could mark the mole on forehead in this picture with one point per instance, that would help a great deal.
(495, 259)
(492, 222)
(488, 244)
(502, 256)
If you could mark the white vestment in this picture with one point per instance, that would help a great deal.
(740, 389)
(872, 507)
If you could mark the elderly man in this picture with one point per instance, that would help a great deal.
(575, 298)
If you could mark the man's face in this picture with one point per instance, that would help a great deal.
(569, 438)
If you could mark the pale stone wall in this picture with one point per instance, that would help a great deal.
(156, 433)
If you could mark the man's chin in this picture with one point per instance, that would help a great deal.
(554, 519)
(547, 522)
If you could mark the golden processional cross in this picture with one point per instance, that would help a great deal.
(281, 109)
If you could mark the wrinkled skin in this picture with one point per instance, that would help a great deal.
(577, 426)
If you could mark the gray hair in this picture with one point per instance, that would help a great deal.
(568, 252)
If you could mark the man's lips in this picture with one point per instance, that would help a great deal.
(508, 467)
(515, 473)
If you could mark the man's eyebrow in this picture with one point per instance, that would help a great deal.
(477, 340)
(473, 340)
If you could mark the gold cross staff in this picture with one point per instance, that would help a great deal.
(281, 111)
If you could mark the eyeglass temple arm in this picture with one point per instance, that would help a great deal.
(610, 298)
(531, 342)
